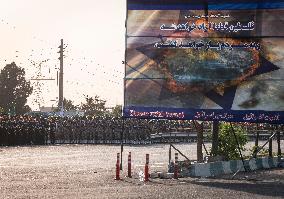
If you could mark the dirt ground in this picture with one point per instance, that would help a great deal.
(88, 171)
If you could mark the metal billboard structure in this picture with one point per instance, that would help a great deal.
(214, 60)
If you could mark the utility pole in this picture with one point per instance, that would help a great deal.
(60, 101)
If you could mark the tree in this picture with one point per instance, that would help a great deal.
(117, 111)
(14, 89)
(94, 106)
(228, 147)
(1, 110)
(67, 105)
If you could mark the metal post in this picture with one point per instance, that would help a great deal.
(256, 142)
(121, 142)
(129, 165)
(170, 154)
(260, 148)
(180, 153)
(117, 171)
(146, 177)
(199, 131)
(270, 146)
(215, 140)
(176, 166)
(199, 144)
(278, 143)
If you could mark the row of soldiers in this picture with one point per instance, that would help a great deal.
(27, 130)
(111, 130)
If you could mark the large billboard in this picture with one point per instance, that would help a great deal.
(205, 60)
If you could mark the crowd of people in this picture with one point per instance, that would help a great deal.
(112, 130)
(39, 130)
(24, 130)
(27, 129)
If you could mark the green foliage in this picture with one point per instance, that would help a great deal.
(228, 147)
(117, 111)
(94, 106)
(68, 105)
(262, 153)
(14, 89)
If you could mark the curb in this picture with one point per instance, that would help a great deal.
(162, 175)
(228, 167)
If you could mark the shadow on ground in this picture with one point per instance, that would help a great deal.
(264, 188)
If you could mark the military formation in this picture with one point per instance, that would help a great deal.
(24, 130)
(40, 130)
(104, 130)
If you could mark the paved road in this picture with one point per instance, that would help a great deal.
(87, 171)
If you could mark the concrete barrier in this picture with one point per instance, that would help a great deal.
(227, 167)
(281, 163)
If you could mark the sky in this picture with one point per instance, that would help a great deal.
(94, 36)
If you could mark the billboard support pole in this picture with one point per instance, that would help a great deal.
(256, 141)
(199, 132)
(215, 138)
(279, 145)
(170, 153)
(121, 142)
(260, 148)
(270, 146)
(180, 152)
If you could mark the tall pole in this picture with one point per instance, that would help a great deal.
(270, 146)
(279, 145)
(256, 141)
(121, 141)
(60, 101)
(199, 132)
(215, 138)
